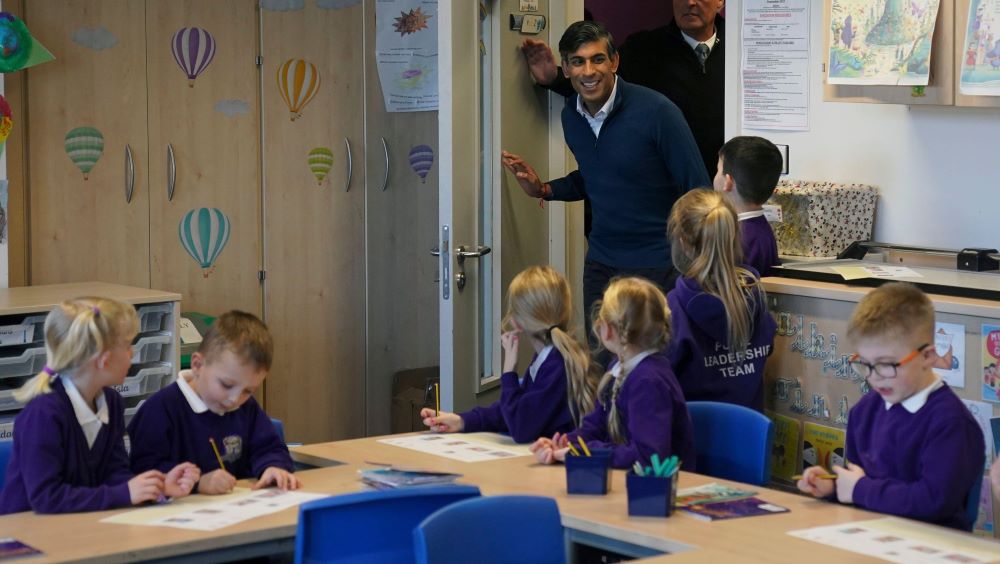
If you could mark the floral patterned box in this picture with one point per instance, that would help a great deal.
(820, 219)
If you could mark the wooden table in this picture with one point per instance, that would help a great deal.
(600, 520)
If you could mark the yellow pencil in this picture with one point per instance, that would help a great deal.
(437, 400)
(820, 476)
(218, 456)
(573, 449)
(583, 444)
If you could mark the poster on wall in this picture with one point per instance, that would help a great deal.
(406, 37)
(785, 448)
(949, 343)
(990, 382)
(981, 49)
(982, 412)
(822, 446)
(774, 66)
(887, 43)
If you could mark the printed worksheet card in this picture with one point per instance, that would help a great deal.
(406, 34)
(991, 363)
(881, 42)
(822, 446)
(949, 342)
(785, 449)
(981, 49)
(458, 447)
(984, 520)
(982, 412)
(904, 541)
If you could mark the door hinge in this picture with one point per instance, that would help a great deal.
(259, 60)
(261, 275)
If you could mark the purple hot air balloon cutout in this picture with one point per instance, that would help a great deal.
(194, 49)
(421, 160)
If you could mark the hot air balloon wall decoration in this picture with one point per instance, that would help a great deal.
(84, 145)
(421, 160)
(320, 163)
(298, 82)
(204, 233)
(193, 49)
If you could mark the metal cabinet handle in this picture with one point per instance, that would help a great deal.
(385, 149)
(171, 172)
(129, 174)
(350, 165)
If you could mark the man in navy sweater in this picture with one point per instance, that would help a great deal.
(636, 156)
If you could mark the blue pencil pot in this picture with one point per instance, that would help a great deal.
(589, 474)
(650, 496)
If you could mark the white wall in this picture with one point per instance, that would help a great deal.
(936, 167)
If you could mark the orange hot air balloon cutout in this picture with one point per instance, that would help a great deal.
(298, 82)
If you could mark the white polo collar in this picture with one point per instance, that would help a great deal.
(749, 215)
(917, 400)
(539, 359)
(89, 421)
(192, 397)
(621, 370)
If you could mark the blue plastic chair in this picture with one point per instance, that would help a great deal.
(374, 526)
(7, 448)
(972, 503)
(279, 427)
(732, 442)
(468, 531)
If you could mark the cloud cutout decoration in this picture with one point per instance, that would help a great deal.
(336, 4)
(283, 5)
(232, 108)
(96, 38)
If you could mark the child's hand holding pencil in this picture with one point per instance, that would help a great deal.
(817, 481)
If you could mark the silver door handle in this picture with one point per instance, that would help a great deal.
(129, 174)
(463, 253)
(350, 165)
(385, 149)
(435, 252)
(171, 172)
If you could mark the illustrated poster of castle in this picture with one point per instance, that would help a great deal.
(881, 42)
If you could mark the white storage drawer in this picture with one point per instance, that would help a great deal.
(153, 348)
(7, 428)
(27, 362)
(155, 317)
(146, 381)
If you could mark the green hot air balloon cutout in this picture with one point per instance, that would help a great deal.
(320, 163)
(84, 146)
(204, 232)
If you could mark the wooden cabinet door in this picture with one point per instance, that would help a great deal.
(204, 104)
(90, 100)
(314, 226)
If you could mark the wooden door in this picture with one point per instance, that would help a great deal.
(402, 227)
(206, 108)
(81, 226)
(314, 221)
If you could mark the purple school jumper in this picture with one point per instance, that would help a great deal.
(166, 431)
(52, 470)
(760, 250)
(919, 465)
(529, 409)
(705, 367)
(654, 417)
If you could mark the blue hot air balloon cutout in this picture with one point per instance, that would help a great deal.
(204, 232)
(421, 160)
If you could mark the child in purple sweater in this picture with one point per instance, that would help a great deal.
(913, 448)
(69, 450)
(640, 410)
(213, 402)
(722, 330)
(556, 390)
(748, 172)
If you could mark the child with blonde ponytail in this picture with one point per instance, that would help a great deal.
(640, 410)
(723, 332)
(557, 390)
(69, 451)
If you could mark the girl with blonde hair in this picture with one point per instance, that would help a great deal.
(69, 450)
(640, 410)
(556, 390)
(723, 332)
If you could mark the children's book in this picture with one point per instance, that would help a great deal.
(397, 477)
(710, 493)
(13, 548)
(733, 509)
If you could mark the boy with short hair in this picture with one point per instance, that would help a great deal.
(213, 401)
(748, 172)
(913, 448)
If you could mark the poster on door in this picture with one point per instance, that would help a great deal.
(406, 54)
(991, 363)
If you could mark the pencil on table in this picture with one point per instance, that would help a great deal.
(437, 400)
(218, 456)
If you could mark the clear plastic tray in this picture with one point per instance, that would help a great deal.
(153, 348)
(154, 317)
(146, 381)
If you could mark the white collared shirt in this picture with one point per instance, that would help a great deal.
(597, 120)
(89, 421)
(692, 42)
(621, 370)
(537, 363)
(917, 400)
(194, 400)
(749, 215)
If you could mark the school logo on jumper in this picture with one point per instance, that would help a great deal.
(233, 447)
(733, 364)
